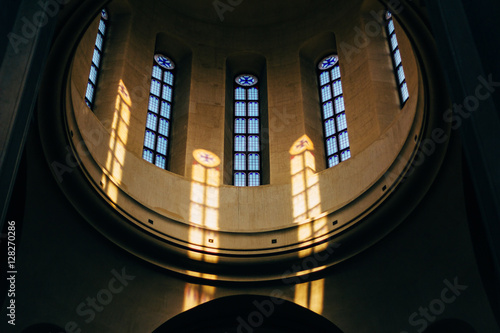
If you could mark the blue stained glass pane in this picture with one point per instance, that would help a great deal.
(164, 61)
(240, 126)
(246, 80)
(397, 58)
(253, 109)
(329, 62)
(153, 104)
(89, 94)
(240, 93)
(93, 74)
(345, 154)
(149, 140)
(98, 42)
(157, 72)
(165, 109)
(168, 77)
(155, 87)
(404, 92)
(253, 126)
(331, 146)
(253, 94)
(339, 104)
(394, 42)
(161, 145)
(253, 162)
(160, 161)
(102, 27)
(343, 140)
(240, 162)
(147, 155)
(326, 93)
(151, 121)
(401, 75)
(327, 110)
(167, 93)
(240, 109)
(254, 179)
(337, 88)
(336, 73)
(240, 143)
(329, 128)
(163, 129)
(341, 122)
(333, 161)
(390, 27)
(239, 179)
(324, 78)
(96, 58)
(253, 143)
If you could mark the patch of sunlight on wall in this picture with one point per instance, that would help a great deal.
(115, 159)
(195, 295)
(204, 205)
(306, 198)
(311, 295)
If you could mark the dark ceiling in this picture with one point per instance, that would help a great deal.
(246, 12)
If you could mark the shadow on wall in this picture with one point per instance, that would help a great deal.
(43, 328)
(450, 326)
(248, 313)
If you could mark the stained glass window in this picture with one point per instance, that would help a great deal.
(157, 136)
(333, 111)
(247, 162)
(96, 59)
(396, 59)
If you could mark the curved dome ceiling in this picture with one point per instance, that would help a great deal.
(247, 244)
(245, 13)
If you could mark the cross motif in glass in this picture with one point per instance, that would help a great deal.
(165, 62)
(329, 62)
(246, 80)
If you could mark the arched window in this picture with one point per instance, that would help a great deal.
(246, 151)
(157, 135)
(396, 59)
(96, 60)
(333, 111)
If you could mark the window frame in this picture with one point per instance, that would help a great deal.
(159, 113)
(104, 19)
(336, 116)
(403, 85)
(248, 171)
